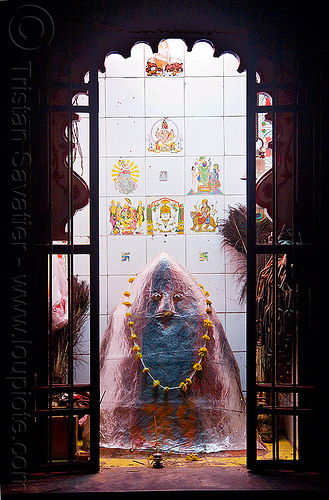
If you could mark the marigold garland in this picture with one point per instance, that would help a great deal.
(197, 367)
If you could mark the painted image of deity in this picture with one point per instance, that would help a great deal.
(205, 177)
(126, 219)
(162, 64)
(204, 217)
(125, 175)
(165, 216)
(164, 137)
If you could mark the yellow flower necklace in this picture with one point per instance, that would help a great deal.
(197, 367)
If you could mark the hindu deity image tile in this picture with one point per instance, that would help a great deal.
(165, 136)
(163, 63)
(165, 215)
(126, 216)
(164, 176)
(203, 214)
(125, 176)
(204, 175)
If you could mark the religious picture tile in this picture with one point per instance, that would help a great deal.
(203, 214)
(163, 63)
(165, 216)
(125, 175)
(165, 137)
(126, 217)
(205, 176)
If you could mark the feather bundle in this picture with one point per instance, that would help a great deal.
(234, 232)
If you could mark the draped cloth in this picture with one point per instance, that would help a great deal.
(167, 307)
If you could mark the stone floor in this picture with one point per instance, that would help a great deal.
(133, 473)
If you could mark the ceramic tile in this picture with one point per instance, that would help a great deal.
(124, 97)
(102, 95)
(83, 131)
(102, 137)
(177, 48)
(222, 319)
(125, 137)
(235, 96)
(126, 254)
(103, 173)
(116, 286)
(233, 201)
(197, 212)
(103, 295)
(165, 136)
(81, 223)
(80, 99)
(233, 288)
(231, 64)
(167, 61)
(103, 321)
(172, 244)
(204, 175)
(164, 97)
(81, 167)
(200, 61)
(215, 285)
(103, 255)
(236, 330)
(81, 267)
(204, 96)
(204, 136)
(164, 176)
(234, 261)
(103, 217)
(125, 176)
(118, 66)
(242, 364)
(165, 215)
(81, 369)
(83, 346)
(235, 169)
(235, 135)
(204, 254)
(126, 216)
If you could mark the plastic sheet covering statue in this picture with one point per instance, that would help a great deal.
(165, 353)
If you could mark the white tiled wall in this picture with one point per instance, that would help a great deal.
(207, 105)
